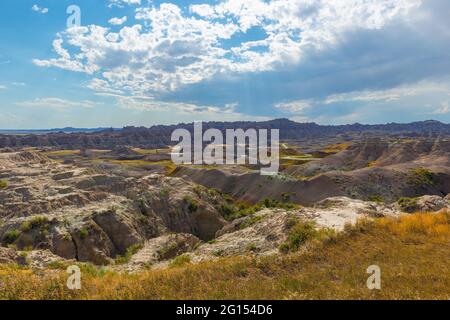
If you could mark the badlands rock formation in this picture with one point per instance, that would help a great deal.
(52, 212)
(81, 214)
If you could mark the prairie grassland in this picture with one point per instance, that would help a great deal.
(61, 153)
(151, 151)
(335, 148)
(413, 253)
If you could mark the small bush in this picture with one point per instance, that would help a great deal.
(286, 196)
(272, 203)
(168, 250)
(361, 226)
(227, 210)
(252, 247)
(198, 190)
(219, 253)
(35, 222)
(131, 251)
(376, 198)
(3, 184)
(408, 204)
(57, 265)
(250, 221)
(26, 226)
(299, 233)
(192, 204)
(420, 177)
(180, 261)
(11, 236)
(83, 233)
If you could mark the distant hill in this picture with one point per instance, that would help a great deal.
(46, 131)
(159, 136)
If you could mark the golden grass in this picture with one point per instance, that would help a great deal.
(61, 153)
(151, 151)
(139, 163)
(433, 226)
(413, 253)
(335, 148)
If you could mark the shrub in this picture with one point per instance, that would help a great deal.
(420, 177)
(219, 253)
(26, 226)
(286, 196)
(252, 247)
(198, 190)
(3, 184)
(250, 221)
(361, 226)
(83, 233)
(272, 203)
(192, 204)
(168, 250)
(408, 204)
(131, 251)
(376, 198)
(11, 236)
(227, 210)
(35, 222)
(180, 261)
(299, 234)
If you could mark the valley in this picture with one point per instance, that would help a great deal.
(130, 210)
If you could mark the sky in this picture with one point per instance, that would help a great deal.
(141, 63)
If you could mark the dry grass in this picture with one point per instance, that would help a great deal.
(151, 151)
(413, 253)
(335, 148)
(61, 153)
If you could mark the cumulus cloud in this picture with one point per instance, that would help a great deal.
(118, 21)
(444, 108)
(307, 54)
(39, 9)
(122, 3)
(170, 49)
(298, 106)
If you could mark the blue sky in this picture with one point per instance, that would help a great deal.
(139, 62)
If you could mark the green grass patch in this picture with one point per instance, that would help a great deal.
(131, 251)
(3, 184)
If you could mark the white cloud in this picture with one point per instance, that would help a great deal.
(170, 49)
(39, 9)
(2, 87)
(118, 21)
(298, 106)
(122, 3)
(19, 84)
(57, 103)
(388, 95)
(443, 109)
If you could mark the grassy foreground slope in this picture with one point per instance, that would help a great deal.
(413, 253)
